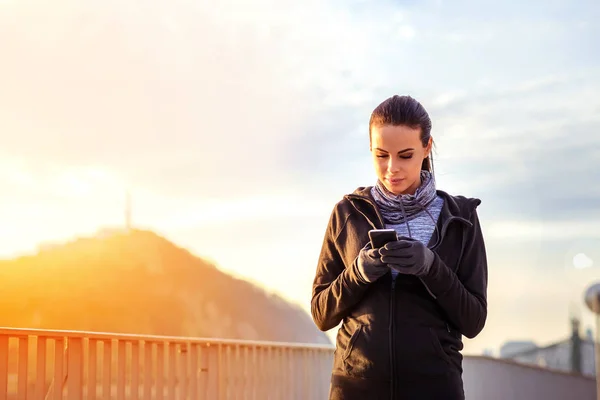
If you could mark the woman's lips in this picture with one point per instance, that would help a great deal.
(395, 181)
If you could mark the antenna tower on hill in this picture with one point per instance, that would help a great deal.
(128, 211)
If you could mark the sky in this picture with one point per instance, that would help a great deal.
(236, 126)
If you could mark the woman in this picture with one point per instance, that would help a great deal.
(403, 307)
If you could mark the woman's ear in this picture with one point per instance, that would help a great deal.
(428, 147)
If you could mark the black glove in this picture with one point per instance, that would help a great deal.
(407, 256)
(370, 265)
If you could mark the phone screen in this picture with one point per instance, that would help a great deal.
(379, 237)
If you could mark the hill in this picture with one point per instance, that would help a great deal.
(139, 282)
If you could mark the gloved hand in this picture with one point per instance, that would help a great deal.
(370, 265)
(407, 256)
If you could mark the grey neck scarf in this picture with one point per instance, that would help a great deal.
(402, 208)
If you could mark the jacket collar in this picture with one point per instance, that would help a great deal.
(455, 207)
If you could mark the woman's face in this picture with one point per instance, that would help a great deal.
(397, 155)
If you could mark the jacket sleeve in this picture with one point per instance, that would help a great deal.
(337, 287)
(463, 295)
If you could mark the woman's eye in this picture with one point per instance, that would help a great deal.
(381, 156)
(406, 157)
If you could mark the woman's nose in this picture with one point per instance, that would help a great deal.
(393, 165)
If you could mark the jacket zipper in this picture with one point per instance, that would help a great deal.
(391, 339)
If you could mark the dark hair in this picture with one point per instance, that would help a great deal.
(404, 110)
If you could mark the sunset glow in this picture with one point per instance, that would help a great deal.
(235, 127)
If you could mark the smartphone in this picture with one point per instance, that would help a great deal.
(379, 237)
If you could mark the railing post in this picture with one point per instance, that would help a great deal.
(75, 368)
(56, 385)
(212, 389)
(147, 365)
(194, 371)
(107, 369)
(171, 370)
(40, 379)
(135, 369)
(4, 366)
(92, 376)
(23, 361)
(121, 369)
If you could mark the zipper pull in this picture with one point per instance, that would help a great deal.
(448, 327)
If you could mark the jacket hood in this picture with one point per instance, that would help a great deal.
(363, 191)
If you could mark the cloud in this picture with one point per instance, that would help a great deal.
(406, 32)
(582, 261)
(198, 99)
(164, 93)
(168, 94)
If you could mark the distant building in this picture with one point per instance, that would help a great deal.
(575, 354)
(488, 352)
(512, 348)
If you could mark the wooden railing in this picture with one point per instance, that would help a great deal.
(49, 365)
(73, 365)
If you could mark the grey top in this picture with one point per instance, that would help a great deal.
(421, 226)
